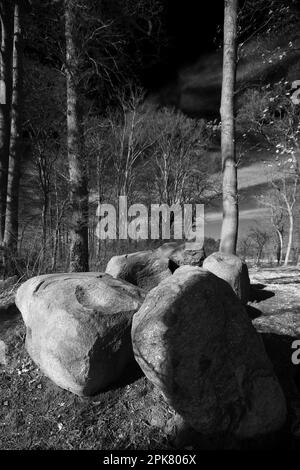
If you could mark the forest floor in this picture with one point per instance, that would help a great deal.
(35, 414)
(284, 283)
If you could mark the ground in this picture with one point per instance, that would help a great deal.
(285, 283)
(35, 414)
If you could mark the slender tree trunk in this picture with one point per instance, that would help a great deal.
(229, 231)
(290, 237)
(258, 257)
(45, 210)
(280, 246)
(15, 152)
(99, 188)
(6, 18)
(76, 154)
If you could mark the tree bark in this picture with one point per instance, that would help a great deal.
(45, 209)
(6, 18)
(15, 151)
(229, 231)
(76, 154)
(290, 237)
(279, 247)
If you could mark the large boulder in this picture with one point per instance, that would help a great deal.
(231, 269)
(78, 327)
(280, 334)
(145, 269)
(186, 253)
(193, 339)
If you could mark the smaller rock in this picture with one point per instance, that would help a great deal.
(187, 253)
(231, 269)
(145, 269)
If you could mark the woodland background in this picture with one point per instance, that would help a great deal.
(145, 122)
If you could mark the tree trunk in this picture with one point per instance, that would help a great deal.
(280, 246)
(6, 18)
(15, 151)
(45, 209)
(258, 257)
(76, 154)
(229, 231)
(290, 238)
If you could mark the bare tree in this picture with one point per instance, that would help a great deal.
(271, 114)
(260, 238)
(6, 17)
(229, 231)
(244, 246)
(288, 194)
(76, 153)
(45, 154)
(273, 202)
(15, 151)
(130, 147)
(178, 171)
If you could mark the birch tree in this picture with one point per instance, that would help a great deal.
(6, 18)
(229, 231)
(15, 150)
(273, 203)
(271, 115)
(76, 152)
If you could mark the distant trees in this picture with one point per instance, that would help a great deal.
(99, 46)
(95, 67)
(244, 247)
(256, 244)
(127, 127)
(260, 237)
(150, 155)
(272, 201)
(229, 231)
(179, 173)
(270, 115)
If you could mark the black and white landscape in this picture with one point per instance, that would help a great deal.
(149, 225)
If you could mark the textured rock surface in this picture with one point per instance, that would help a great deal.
(145, 269)
(231, 269)
(193, 339)
(78, 327)
(183, 253)
(287, 324)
